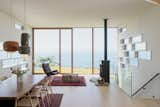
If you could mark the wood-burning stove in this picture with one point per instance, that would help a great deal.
(105, 64)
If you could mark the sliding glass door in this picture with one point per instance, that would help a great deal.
(46, 48)
(82, 50)
(73, 50)
(98, 48)
(65, 51)
(113, 51)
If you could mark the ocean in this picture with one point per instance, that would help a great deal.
(80, 60)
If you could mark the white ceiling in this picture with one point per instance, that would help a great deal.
(74, 13)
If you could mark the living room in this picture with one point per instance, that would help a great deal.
(70, 36)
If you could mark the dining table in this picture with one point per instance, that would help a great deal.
(13, 88)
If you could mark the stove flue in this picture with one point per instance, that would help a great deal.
(105, 64)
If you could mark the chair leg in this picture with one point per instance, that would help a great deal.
(46, 98)
(49, 98)
(16, 101)
(42, 97)
(31, 102)
(38, 99)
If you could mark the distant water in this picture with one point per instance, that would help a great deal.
(81, 60)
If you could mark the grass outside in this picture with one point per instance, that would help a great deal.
(84, 71)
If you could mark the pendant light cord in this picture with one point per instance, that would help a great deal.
(10, 14)
(24, 10)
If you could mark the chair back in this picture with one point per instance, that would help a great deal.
(46, 68)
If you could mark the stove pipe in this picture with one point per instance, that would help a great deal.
(105, 39)
(105, 64)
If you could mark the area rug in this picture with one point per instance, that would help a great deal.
(57, 81)
(51, 100)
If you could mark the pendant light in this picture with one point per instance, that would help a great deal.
(24, 48)
(10, 46)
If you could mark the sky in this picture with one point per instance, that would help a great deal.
(48, 40)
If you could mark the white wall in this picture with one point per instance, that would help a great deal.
(5, 28)
(148, 24)
(8, 31)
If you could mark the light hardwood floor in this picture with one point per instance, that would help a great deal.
(99, 96)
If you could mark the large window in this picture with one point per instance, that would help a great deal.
(73, 50)
(46, 48)
(98, 48)
(66, 51)
(112, 51)
(82, 50)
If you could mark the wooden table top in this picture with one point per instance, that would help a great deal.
(12, 88)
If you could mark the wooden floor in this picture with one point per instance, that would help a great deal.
(99, 96)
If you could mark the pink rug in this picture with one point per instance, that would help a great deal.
(57, 81)
(55, 100)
